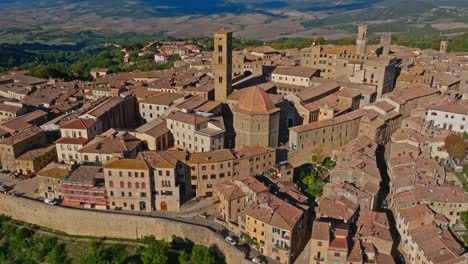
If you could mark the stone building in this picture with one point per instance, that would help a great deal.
(114, 112)
(361, 40)
(50, 181)
(108, 145)
(252, 161)
(222, 64)
(17, 144)
(34, 160)
(170, 177)
(128, 185)
(155, 135)
(209, 169)
(277, 226)
(320, 138)
(256, 119)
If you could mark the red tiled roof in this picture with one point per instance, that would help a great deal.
(74, 141)
(78, 123)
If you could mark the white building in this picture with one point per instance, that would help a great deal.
(196, 133)
(294, 75)
(453, 117)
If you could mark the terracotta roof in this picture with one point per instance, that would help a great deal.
(78, 123)
(162, 99)
(251, 183)
(187, 118)
(21, 136)
(36, 153)
(252, 151)
(297, 71)
(192, 102)
(154, 128)
(85, 174)
(126, 164)
(336, 207)
(274, 211)
(416, 212)
(111, 142)
(321, 231)
(211, 156)
(457, 108)
(158, 160)
(230, 191)
(71, 141)
(23, 122)
(255, 101)
(54, 170)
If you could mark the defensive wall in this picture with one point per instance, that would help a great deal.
(77, 221)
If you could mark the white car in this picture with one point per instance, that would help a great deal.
(231, 240)
(258, 261)
(50, 201)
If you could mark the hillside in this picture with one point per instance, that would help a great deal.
(60, 21)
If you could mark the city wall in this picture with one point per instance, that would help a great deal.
(75, 221)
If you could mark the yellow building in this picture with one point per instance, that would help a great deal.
(34, 160)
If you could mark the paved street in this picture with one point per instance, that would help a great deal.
(25, 187)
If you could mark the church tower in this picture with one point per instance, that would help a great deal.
(361, 41)
(222, 64)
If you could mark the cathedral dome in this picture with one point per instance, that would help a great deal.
(255, 100)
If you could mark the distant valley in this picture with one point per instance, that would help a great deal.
(73, 21)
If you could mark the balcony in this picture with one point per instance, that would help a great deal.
(281, 247)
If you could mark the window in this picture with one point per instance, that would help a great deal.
(137, 185)
(220, 80)
(336, 254)
(122, 185)
(111, 193)
(129, 185)
(142, 174)
(111, 184)
(143, 185)
(319, 243)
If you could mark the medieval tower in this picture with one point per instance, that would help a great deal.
(222, 64)
(443, 47)
(361, 41)
(385, 42)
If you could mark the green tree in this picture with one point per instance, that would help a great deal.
(58, 255)
(155, 253)
(183, 257)
(202, 255)
(320, 40)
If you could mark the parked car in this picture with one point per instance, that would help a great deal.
(51, 201)
(231, 240)
(258, 261)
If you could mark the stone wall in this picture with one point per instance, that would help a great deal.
(76, 221)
